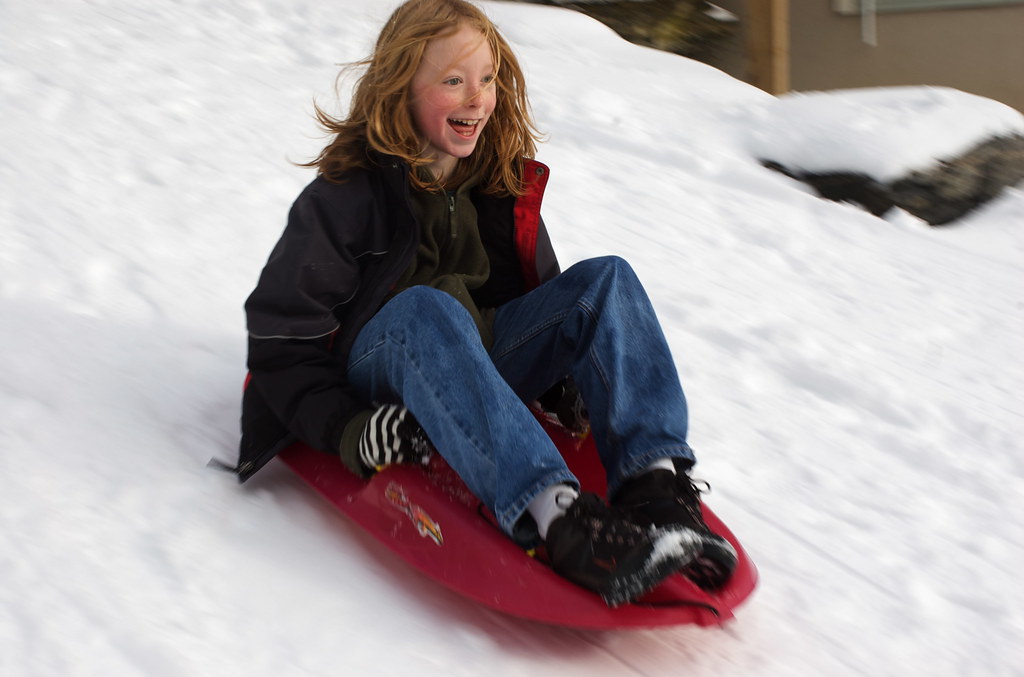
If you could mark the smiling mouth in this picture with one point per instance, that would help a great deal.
(464, 127)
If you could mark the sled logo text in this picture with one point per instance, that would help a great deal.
(426, 526)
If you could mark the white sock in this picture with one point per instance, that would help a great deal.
(660, 464)
(551, 504)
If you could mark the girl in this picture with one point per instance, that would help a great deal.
(414, 302)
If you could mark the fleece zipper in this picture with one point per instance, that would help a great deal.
(451, 213)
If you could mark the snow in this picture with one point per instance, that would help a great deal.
(854, 381)
(885, 133)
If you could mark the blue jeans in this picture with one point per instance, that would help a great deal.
(593, 322)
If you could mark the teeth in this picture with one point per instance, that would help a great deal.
(465, 122)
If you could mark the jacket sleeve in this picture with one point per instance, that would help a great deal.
(292, 317)
(313, 268)
(304, 387)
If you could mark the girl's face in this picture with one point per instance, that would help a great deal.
(453, 96)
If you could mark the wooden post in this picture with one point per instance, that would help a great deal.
(768, 44)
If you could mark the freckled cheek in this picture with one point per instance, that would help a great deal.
(442, 101)
(437, 100)
(431, 108)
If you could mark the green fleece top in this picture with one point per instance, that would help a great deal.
(450, 257)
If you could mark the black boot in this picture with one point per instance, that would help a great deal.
(596, 548)
(662, 498)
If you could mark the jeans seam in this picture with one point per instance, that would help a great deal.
(537, 330)
(434, 393)
(366, 354)
(611, 438)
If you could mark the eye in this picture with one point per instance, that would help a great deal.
(453, 81)
(488, 79)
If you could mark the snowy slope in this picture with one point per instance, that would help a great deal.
(854, 382)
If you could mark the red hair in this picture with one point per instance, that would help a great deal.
(380, 118)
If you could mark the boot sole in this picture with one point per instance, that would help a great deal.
(714, 566)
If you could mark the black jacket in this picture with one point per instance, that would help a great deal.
(343, 249)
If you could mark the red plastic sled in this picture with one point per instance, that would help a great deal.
(429, 518)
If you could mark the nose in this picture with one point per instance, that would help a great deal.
(474, 95)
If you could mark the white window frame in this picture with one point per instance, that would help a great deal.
(852, 7)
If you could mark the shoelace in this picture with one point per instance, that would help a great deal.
(689, 496)
(603, 524)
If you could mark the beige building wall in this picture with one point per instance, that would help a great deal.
(978, 50)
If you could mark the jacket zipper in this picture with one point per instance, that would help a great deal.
(451, 213)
